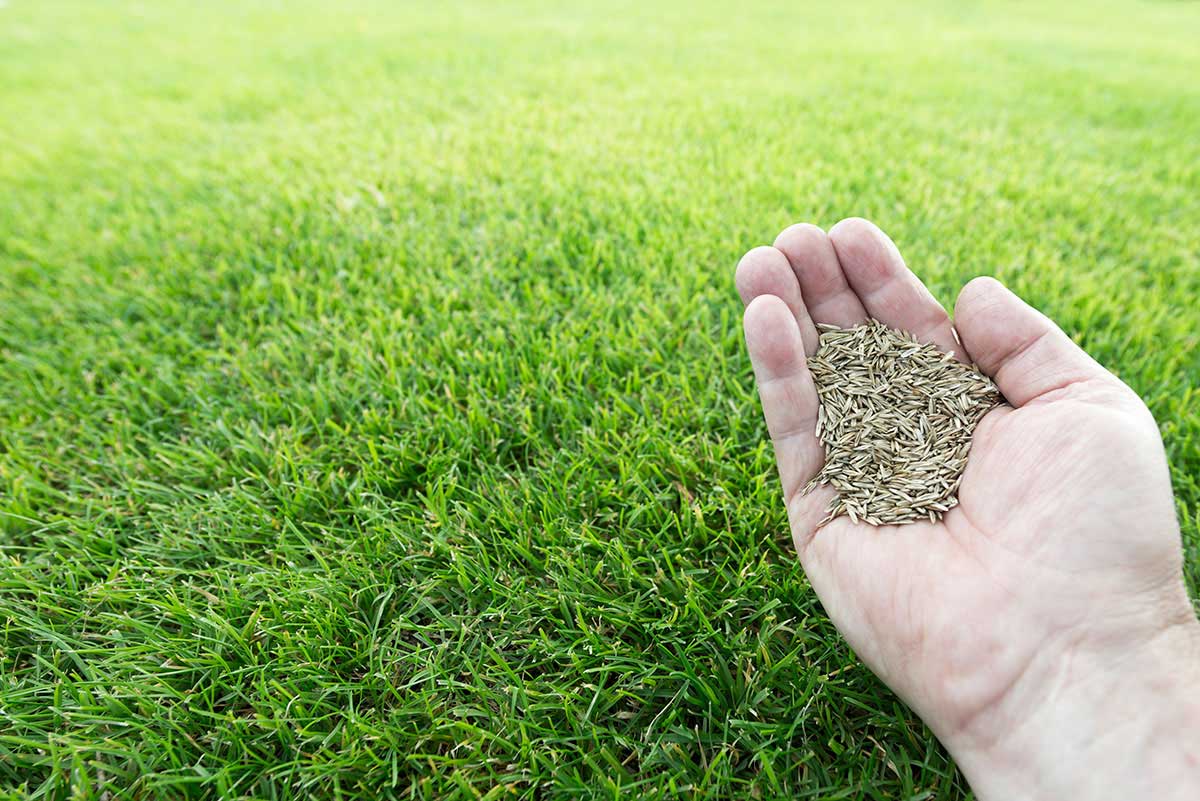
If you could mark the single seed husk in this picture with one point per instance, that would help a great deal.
(896, 419)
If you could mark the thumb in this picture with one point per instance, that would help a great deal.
(1024, 352)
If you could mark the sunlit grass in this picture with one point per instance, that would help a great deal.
(374, 420)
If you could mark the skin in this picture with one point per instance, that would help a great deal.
(1042, 629)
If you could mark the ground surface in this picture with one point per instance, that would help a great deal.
(374, 419)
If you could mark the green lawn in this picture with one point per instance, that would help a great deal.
(374, 416)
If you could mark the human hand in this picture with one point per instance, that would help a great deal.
(1042, 628)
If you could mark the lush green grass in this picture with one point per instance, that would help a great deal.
(374, 419)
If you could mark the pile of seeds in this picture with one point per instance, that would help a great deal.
(896, 419)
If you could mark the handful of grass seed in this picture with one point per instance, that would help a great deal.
(896, 419)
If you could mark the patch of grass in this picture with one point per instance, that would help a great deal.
(374, 420)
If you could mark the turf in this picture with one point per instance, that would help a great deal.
(374, 417)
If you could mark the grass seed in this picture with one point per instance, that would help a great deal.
(896, 419)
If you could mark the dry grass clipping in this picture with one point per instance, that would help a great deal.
(896, 419)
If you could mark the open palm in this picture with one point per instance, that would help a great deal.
(1064, 540)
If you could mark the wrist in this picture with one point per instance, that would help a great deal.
(1118, 721)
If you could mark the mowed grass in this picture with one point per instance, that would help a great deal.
(374, 416)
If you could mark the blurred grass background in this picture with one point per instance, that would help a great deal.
(374, 420)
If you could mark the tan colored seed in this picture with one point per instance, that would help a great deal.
(896, 419)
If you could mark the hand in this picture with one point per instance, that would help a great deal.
(1041, 628)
